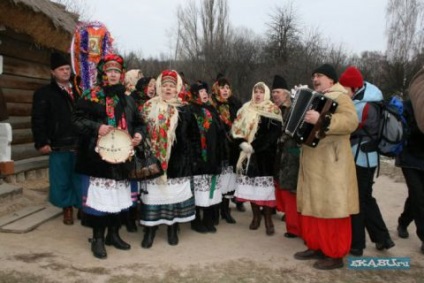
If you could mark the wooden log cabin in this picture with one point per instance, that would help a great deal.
(29, 31)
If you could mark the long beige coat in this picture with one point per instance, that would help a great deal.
(416, 89)
(327, 186)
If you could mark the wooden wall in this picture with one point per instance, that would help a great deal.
(25, 68)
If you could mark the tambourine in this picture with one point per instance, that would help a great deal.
(115, 147)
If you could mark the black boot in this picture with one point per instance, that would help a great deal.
(113, 239)
(225, 211)
(149, 236)
(98, 243)
(215, 214)
(129, 218)
(208, 219)
(173, 234)
(197, 224)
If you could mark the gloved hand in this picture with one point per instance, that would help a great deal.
(247, 148)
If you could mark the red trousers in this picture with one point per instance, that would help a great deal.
(332, 236)
(293, 224)
(279, 197)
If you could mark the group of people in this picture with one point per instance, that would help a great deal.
(212, 149)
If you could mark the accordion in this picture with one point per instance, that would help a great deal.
(307, 99)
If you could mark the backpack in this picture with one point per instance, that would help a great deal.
(392, 128)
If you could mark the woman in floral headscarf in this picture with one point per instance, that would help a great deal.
(227, 106)
(144, 90)
(106, 190)
(207, 193)
(257, 128)
(172, 132)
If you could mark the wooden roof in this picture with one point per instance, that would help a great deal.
(48, 23)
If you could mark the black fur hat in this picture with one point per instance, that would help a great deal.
(279, 82)
(57, 60)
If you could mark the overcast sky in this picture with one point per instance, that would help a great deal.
(141, 25)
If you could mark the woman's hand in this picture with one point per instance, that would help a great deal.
(104, 130)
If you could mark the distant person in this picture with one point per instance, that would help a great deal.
(366, 159)
(256, 130)
(131, 79)
(54, 135)
(286, 162)
(411, 160)
(327, 190)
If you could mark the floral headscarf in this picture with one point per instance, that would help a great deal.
(246, 124)
(204, 116)
(162, 118)
(220, 103)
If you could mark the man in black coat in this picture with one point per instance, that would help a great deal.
(54, 135)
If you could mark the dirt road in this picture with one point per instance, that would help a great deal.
(58, 253)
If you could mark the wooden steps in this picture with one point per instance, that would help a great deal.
(28, 218)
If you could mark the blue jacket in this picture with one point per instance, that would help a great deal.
(368, 123)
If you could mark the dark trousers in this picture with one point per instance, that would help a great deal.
(369, 216)
(407, 215)
(415, 182)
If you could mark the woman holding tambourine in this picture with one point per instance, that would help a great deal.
(110, 127)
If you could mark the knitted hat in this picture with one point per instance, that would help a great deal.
(352, 78)
(326, 70)
(279, 82)
(57, 60)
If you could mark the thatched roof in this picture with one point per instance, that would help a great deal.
(48, 23)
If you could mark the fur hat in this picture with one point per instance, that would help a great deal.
(352, 78)
(279, 82)
(57, 60)
(326, 70)
(143, 83)
(197, 86)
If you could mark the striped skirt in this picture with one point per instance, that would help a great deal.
(168, 203)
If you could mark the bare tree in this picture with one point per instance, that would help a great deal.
(203, 37)
(283, 32)
(405, 42)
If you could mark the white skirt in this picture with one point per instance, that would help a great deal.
(255, 188)
(107, 195)
(174, 191)
(203, 196)
(227, 180)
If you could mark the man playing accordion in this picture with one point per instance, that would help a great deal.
(327, 192)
